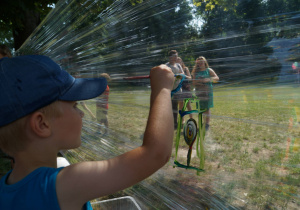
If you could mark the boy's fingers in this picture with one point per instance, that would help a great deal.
(161, 70)
(161, 76)
(162, 66)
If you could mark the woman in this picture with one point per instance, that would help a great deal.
(186, 87)
(203, 79)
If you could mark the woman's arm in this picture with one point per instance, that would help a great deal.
(187, 73)
(197, 81)
(213, 76)
(194, 79)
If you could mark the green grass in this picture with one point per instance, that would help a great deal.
(252, 155)
(247, 142)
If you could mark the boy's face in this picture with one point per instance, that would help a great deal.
(67, 127)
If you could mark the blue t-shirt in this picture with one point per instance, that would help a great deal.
(36, 191)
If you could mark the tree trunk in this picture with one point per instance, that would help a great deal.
(30, 22)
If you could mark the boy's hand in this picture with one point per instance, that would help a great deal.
(161, 77)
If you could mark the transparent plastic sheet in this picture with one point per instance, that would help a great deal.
(252, 147)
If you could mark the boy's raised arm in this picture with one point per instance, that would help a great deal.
(79, 183)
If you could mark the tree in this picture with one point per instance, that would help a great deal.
(19, 18)
(241, 35)
(211, 4)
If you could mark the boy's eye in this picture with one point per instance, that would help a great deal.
(75, 105)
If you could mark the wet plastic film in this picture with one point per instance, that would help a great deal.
(252, 142)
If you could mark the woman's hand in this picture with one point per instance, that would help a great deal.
(206, 80)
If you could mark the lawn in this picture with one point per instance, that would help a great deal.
(252, 150)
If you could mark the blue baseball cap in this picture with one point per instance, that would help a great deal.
(28, 83)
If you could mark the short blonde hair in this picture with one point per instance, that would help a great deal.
(106, 76)
(13, 136)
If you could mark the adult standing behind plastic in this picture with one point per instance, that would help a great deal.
(203, 78)
(176, 69)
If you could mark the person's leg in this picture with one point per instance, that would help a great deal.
(105, 121)
(99, 118)
(207, 119)
(189, 106)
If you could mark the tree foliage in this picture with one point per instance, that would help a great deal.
(244, 28)
(211, 4)
(228, 29)
(21, 17)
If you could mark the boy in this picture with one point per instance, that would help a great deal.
(39, 117)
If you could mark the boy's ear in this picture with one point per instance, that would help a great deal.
(39, 124)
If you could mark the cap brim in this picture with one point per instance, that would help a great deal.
(84, 89)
